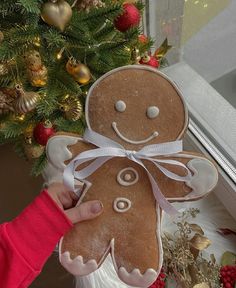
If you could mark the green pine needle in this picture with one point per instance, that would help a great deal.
(39, 165)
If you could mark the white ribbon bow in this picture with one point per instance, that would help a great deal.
(109, 149)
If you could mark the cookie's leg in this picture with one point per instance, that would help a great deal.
(138, 260)
(81, 251)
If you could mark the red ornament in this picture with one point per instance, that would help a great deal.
(130, 18)
(143, 39)
(149, 60)
(228, 276)
(42, 132)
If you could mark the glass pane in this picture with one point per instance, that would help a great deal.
(203, 35)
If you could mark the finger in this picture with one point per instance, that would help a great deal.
(66, 200)
(85, 211)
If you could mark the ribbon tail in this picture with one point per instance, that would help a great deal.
(160, 198)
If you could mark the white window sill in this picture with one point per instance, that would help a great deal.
(212, 127)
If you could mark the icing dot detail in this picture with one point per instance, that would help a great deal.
(120, 106)
(152, 112)
(122, 205)
(127, 176)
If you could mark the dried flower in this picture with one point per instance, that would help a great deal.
(182, 254)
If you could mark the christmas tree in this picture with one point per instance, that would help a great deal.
(51, 52)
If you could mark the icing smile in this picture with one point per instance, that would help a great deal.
(154, 135)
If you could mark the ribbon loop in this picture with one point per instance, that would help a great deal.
(108, 149)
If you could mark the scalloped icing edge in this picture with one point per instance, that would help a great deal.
(77, 266)
(57, 149)
(198, 192)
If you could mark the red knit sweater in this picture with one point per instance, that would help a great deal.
(28, 241)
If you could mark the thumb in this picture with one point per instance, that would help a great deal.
(85, 211)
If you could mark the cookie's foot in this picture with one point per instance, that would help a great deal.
(135, 278)
(77, 266)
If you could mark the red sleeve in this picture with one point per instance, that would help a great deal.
(28, 241)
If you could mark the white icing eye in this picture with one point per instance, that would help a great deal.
(152, 112)
(120, 106)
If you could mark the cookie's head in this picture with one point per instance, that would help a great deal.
(136, 106)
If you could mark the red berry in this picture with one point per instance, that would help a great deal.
(143, 38)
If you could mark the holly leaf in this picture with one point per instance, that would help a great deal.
(228, 258)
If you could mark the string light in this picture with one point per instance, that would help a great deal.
(59, 55)
(20, 117)
(37, 42)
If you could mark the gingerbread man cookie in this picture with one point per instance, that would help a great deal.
(131, 159)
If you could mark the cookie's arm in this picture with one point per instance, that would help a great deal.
(204, 177)
(57, 149)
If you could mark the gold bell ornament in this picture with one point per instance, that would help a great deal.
(56, 13)
(80, 72)
(36, 71)
(72, 108)
(32, 151)
(26, 101)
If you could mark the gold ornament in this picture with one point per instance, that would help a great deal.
(1, 37)
(33, 151)
(36, 71)
(56, 13)
(88, 4)
(26, 101)
(7, 98)
(72, 108)
(78, 71)
(135, 56)
(162, 50)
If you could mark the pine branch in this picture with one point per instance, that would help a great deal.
(69, 126)
(108, 12)
(39, 165)
(54, 39)
(30, 6)
(104, 31)
(12, 129)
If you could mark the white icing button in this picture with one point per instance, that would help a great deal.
(127, 176)
(152, 112)
(120, 106)
(121, 205)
